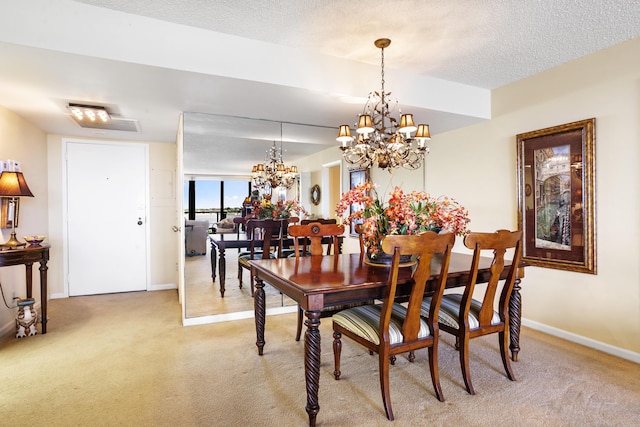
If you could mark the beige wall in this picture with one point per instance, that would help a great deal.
(477, 165)
(21, 141)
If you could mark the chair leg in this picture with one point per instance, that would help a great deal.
(383, 362)
(435, 372)
(504, 352)
(300, 321)
(240, 275)
(337, 349)
(464, 363)
(412, 356)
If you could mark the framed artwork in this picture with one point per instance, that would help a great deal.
(315, 195)
(556, 196)
(356, 177)
(9, 212)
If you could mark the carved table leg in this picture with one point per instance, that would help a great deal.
(515, 305)
(213, 261)
(222, 270)
(43, 294)
(259, 304)
(312, 364)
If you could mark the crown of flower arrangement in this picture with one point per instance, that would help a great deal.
(405, 213)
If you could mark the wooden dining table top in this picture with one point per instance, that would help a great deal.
(345, 278)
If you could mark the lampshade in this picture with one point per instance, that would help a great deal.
(423, 132)
(344, 133)
(406, 123)
(13, 184)
(364, 124)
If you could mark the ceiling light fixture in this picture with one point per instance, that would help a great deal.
(273, 173)
(89, 113)
(381, 140)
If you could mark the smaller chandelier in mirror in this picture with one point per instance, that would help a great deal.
(382, 140)
(273, 173)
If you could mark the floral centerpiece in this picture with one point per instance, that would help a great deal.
(279, 210)
(405, 213)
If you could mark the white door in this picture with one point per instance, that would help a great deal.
(106, 199)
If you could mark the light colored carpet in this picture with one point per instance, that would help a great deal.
(203, 295)
(125, 360)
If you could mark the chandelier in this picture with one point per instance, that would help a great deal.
(381, 140)
(273, 173)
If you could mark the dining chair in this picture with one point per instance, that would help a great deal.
(392, 328)
(466, 317)
(265, 241)
(321, 221)
(311, 234)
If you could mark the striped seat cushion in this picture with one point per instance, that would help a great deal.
(364, 321)
(450, 309)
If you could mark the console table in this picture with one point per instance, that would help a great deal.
(27, 256)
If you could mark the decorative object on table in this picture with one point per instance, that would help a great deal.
(278, 210)
(26, 318)
(381, 140)
(405, 213)
(558, 216)
(13, 185)
(34, 240)
(273, 173)
(315, 194)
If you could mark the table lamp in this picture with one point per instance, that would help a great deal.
(13, 185)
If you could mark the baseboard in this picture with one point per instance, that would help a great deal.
(587, 342)
(225, 317)
(163, 287)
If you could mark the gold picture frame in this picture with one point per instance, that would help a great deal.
(556, 196)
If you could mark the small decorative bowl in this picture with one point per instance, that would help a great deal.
(34, 240)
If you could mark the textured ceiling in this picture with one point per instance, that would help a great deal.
(301, 62)
(484, 43)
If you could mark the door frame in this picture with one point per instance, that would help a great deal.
(65, 240)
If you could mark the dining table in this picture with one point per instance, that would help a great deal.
(322, 281)
(220, 242)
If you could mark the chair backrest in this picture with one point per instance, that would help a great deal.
(314, 231)
(499, 242)
(320, 220)
(265, 234)
(423, 246)
(239, 223)
(358, 229)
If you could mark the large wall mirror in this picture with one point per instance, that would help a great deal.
(219, 153)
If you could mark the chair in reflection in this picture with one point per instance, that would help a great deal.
(265, 241)
(466, 317)
(391, 328)
(310, 234)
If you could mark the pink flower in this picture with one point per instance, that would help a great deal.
(411, 213)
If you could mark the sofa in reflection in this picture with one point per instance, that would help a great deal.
(195, 234)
